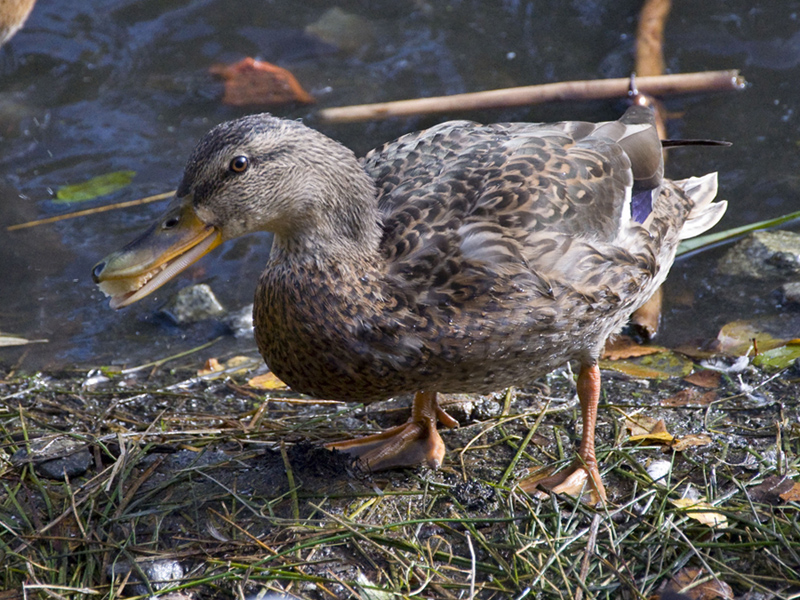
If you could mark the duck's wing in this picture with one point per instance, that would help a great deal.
(463, 194)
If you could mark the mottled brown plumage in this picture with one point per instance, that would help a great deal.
(462, 258)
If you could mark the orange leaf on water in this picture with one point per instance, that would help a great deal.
(253, 82)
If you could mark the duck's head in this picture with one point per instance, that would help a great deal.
(258, 173)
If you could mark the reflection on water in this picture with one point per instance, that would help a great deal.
(99, 86)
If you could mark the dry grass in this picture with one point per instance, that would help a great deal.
(229, 493)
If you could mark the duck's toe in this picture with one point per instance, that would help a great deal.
(408, 445)
(579, 480)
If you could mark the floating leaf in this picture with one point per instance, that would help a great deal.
(663, 365)
(703, 241)
(251, 82)
(778, 358)
(267, 381)
(739, 338)
(706, 517)
(622, 347)
(96, 186)
(7, 339)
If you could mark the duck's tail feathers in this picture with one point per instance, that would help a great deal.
(705, 213)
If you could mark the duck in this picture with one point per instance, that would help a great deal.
(464, 258)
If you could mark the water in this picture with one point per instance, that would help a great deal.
(98, 86)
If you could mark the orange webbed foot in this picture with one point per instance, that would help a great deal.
(576, 480)
(583, 474)
(416, 442)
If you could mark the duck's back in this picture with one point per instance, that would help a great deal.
(557, 230)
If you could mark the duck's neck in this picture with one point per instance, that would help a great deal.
(346, 230)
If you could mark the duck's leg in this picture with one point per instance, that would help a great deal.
(583, 472)
(413, 443)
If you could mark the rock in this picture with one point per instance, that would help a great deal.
(241, 322)
(791, 292)
(159, 574)
(764, 255)
(348, 32)
(193, 303)
(56, 458)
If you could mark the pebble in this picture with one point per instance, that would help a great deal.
(56, 459)
(192, 304)
(348, 32)
(764, 255)
(159, 573)
(241, 322)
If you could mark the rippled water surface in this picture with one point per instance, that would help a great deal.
(97, 86)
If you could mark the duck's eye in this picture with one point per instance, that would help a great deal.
(239, 164)
(171, 222)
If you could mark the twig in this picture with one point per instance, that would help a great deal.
(649, 63)
(472, 567)
(91, 211)
(292, 486)
(664, 85)
(590, 550)
(650, 37)
(512, 465)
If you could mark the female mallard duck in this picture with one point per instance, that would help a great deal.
(462, 258)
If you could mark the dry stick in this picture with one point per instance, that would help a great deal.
(664, 85)
(650, 62)
(91, 211)
(650, 37)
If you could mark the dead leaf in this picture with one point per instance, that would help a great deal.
(695, 510)
(738, 337)
(690, 397)
(212, 365)
(686, 581)
(771, 490)
(662, 365)
(238, 365)
(705, 379)
(267, 381)
(253, 82)
(623, 346)
(644, 428)
(693, 439)
(792, 494)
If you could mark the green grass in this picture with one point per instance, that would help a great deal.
(239, 493)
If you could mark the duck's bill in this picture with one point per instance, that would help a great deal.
(176, 241)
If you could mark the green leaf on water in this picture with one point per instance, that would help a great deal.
(95, 187)
(704, 241)
(778, 358)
